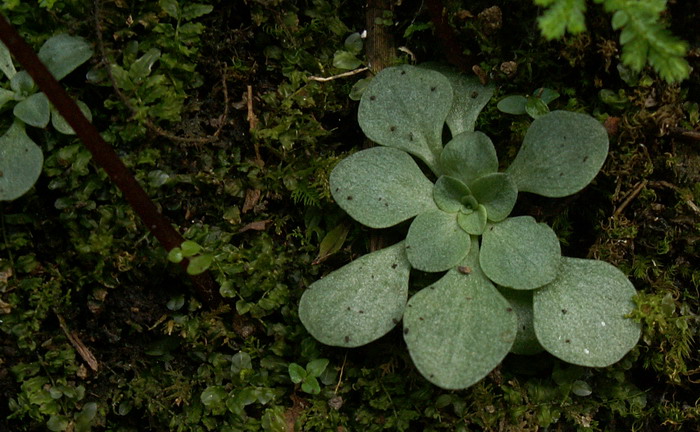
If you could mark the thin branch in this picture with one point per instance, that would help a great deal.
(342, 75)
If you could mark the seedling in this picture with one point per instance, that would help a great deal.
(506, 286)
(198, 263)
(535, 105)
(21, 160)
(308, 377)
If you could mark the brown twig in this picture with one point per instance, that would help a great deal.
(342, 75)
(79, 346)
(631, 196)
(102, 153)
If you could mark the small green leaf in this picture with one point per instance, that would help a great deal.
(497, 193)
(213, 396)
(536, 107)
(520, 253)
(358, 89)
(310, 385)
(21, 162)
(22, 84)
(512, 105)
(435, 242)
(34, 110)
(460, 328)
(581, 388)
(359, 302)
(475, 222)
(332, 242)
(469, 156)
(353, 43)
(57, 423)
(451, 195)
(526, 342)
(171, 7)
(561, 153)
(563, 16)
(241, 360)
(63, 53)
(580, 316)
(546, 94)
(199, 264)
(175, 255)
(175, 303)
(296, 373)
(316, 367)
(141, 68)
(346, 60)
(380, 187)
(83, 420)
(6, 96)
(405, 107)
(195, 10)
(190, 248)
(61, 125)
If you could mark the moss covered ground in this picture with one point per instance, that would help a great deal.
(217, 109)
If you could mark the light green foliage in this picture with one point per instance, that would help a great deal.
(643, 36)
(21, 160)
(307, 377)
(460, 327)
(535, 105)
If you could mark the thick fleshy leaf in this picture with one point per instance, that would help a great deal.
(520, 253)
(435, 242)
(469, 156)
(63, 53)
(460, 328)
(380, 187)
(526, 342)
(34, 110)
(580, 316)
(359, 302)
(405, 107)
(451, 195)
(514, 104)
(6, 96)
(470, 97)
(561, 153)
(21, 162)
(475, 222)
(497, 193)
(61, 125)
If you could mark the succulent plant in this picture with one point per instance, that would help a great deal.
(506, 286)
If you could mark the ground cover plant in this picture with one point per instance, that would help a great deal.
(232, 116)
(459, 328)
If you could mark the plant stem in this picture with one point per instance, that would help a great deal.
(102, 153)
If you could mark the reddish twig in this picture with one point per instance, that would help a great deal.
(101, 152)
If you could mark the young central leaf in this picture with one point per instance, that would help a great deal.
(520, 253)
(435, 242)
(405, 107)
(452, 196)
(460, 328)
(380, 187)
(561, 153)
(469, 156)
(497, 193)
(580, 316)
(359, 302)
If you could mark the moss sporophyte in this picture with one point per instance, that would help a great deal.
(506, 287)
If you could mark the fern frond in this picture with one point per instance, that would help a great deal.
(562, 16)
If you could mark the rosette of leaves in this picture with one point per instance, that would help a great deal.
(506, 286)
(21, 159)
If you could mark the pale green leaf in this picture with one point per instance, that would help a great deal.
(175, 255)
(563, 16)
(353, 43)
(561, 153)
(536, 107)
(497, 193)
(310, 385)
(63, 53)
(512, 104)
(521, 301)
(21, 162)
(359, 302)
(22, 84)
(546, 94)
(470, 97)
(460, 328)
(580, 316)
(405, 107)
(142, 67)
(199, 264)
(435, 242)
(190, 248)
(213, 396)
(6, 65)
(195, 10)
(61, 125)
(469, 156)
(520, 253)
(171, 7)
(380, 187)
(34, 110)
(6, 96)
(474, 222)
